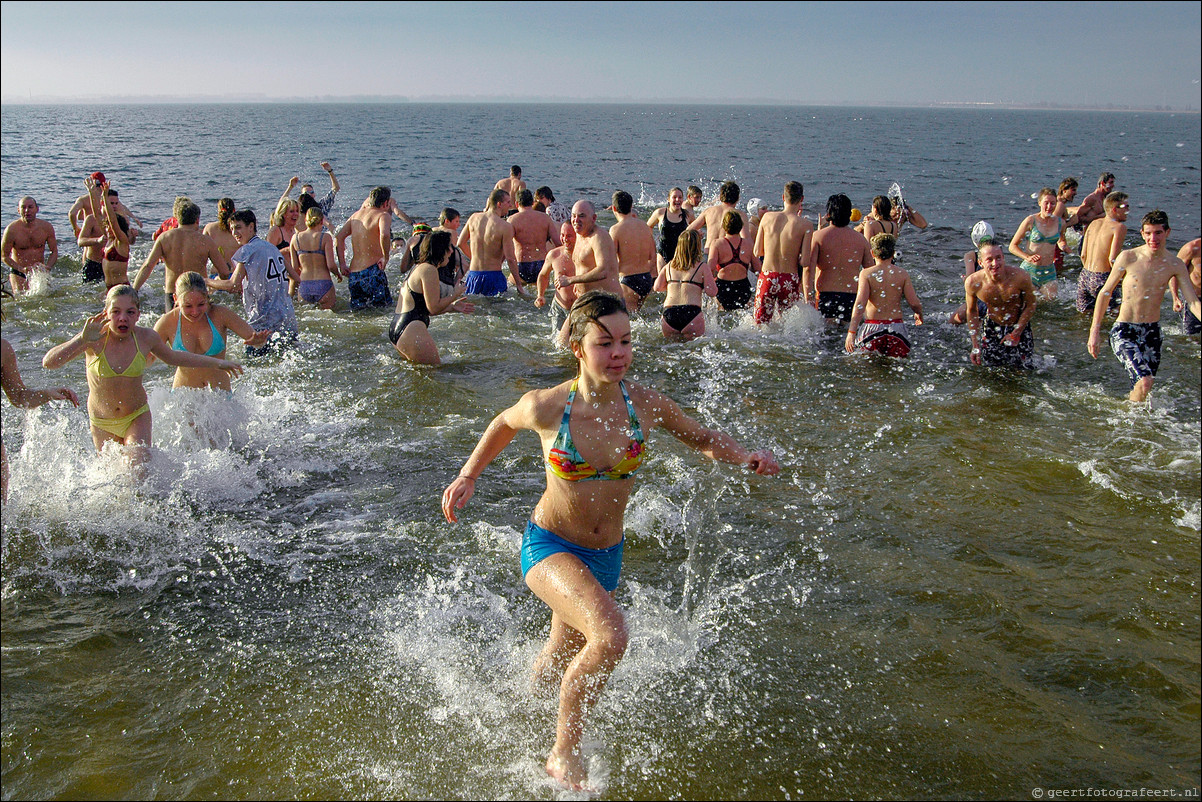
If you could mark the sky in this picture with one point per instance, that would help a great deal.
(1139, 55)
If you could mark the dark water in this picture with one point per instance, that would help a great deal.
(963, 584)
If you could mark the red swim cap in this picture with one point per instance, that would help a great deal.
(98, 177)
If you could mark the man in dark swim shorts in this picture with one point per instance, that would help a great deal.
(1001, 300)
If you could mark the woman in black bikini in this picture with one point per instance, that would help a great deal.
(731, 259)
(684, 279)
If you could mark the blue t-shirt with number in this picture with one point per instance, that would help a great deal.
(265, 292)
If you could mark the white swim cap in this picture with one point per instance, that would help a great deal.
(982, 231)
(754, 205)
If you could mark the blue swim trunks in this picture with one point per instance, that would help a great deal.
(1137, 345)
(538, 544)
(528, 271)
(486, 282)
(369, 287)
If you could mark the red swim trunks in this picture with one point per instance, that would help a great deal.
(775, 292)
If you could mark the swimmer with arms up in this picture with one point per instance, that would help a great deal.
(593, 431)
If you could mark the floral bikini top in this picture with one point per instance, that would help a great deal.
(565, 461)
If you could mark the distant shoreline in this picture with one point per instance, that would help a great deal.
(369, 100)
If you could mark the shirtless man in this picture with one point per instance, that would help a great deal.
(25, 242)
(711, 218)
(558, 213)
(512, 185)
(837, 256)
(1092, 207)
(783, 242)
(1189, 254)
(1101, 246)
(87, 224)
(532, 231)
(672, 219)
(370, 232)
(184, 249)
(488, 240)
(635, 246)
(557, 267)
(1145, 273)
(881, 290)
(1001, 299)
(594, 255)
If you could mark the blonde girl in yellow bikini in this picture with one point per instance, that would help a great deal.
(116, 350)
(592, 431)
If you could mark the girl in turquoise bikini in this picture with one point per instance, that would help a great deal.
(1042, 231)
(593, 431)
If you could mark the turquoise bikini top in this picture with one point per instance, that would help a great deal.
(218, 341)
(1036, 237)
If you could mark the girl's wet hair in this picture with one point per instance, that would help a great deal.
(732, 222)
(434, 248)
(589, 309)
(122, 290)
(313, 217)
(190, 282)
(688, 250)
(882, 206)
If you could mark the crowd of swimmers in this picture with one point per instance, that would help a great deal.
(758, 259)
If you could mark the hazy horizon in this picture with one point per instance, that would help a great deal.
(1054, 55)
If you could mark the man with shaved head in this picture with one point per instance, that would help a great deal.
(595, 257)
(25, 242)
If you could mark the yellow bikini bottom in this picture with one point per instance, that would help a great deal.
(119, 427)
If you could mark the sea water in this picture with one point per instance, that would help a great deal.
(964, 583)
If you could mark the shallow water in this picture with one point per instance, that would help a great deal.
(964, 583)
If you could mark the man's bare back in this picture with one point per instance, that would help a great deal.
(783, 239)
(838, 254)
(369, 229)
(1102, 244)
(634, 244)
(533, 233)
(182, 250)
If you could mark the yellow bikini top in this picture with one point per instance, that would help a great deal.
(99, 364)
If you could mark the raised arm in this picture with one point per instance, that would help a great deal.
(914, 217)
(225, 316)
(292, 182)
(61, 354)
(333, 181)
